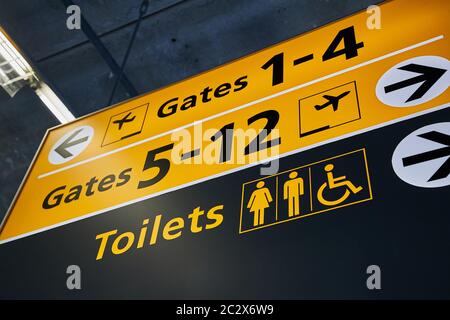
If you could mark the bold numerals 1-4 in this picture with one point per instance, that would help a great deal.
(277, 64)
(350, 48)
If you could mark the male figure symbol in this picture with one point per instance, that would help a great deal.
(292, 190)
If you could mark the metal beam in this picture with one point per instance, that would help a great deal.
(105, 54)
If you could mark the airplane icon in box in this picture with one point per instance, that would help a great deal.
(327, 109)
(125, 125)
(333, 101)
(124, 120)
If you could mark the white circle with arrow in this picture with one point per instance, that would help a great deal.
(414, 81)
(422, 158)
(71, 145)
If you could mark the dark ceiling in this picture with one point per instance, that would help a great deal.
(177, 39)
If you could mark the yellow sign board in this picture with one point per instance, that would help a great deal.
(339, 80)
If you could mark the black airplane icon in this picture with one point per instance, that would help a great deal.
(122, 121)
(334, 101)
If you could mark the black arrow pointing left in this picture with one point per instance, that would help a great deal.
(438, 137)
(62, 148)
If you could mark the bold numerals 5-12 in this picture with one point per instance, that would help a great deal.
(225, 137)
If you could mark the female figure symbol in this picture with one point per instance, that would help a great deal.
(259, 201)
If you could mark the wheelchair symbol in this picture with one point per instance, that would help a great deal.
(333, 183)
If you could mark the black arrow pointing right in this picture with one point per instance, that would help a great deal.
(428, 75)
(62, 148)
(438, 137)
